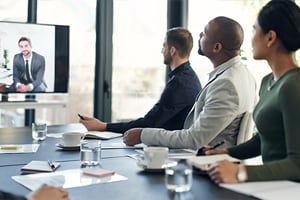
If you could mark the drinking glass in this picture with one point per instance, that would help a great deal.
(90, 152)
(39, 130)
(179, 178)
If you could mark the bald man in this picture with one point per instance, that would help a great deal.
(219, 108)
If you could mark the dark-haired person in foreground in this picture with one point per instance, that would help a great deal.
(45, 192)
(178, 95)
(28, 69)
(276, 38)
(218, 110)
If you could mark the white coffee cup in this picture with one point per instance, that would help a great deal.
(155, 157)
(71, 138)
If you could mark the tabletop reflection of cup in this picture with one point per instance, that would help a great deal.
(39, 130)
(179, 178)
(155, 157)
(71, 138)
(90, 152)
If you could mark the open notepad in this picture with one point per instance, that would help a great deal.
(103, 135)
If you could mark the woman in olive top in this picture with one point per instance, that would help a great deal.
(276, 38)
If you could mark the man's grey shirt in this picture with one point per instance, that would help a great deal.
(230, 92)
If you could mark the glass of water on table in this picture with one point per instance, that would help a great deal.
(39, 130)
(90, 152)
(179, 178)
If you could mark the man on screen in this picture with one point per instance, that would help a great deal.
(28, 69)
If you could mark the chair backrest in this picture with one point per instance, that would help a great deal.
(246, 128)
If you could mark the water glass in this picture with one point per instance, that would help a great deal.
(39, 130)
(179, 178)
(90, 152)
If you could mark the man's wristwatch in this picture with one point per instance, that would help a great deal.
(241, 175)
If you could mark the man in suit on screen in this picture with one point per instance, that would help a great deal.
(28, 69)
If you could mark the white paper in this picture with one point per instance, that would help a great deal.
(203, 162)
(268, 190)
(19, 148)
(92, 134)
(292, 193)
(181, 153)
(172, 154)
(120, 145)
(102, 134)
(65, 179)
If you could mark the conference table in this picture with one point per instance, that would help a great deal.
(139, 184)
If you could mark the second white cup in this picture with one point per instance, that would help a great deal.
(155, 157)
(71, 138)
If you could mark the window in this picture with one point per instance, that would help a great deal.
(80, 15)
(138, 69)
(245, 13)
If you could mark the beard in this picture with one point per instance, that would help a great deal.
(167, 59)
(200, 52)
(26, 53)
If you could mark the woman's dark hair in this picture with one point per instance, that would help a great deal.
(283, 17)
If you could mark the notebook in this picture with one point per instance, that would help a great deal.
(104, 135)
(203, 162)
(38, 166)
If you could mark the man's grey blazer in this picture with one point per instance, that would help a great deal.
(216, 115)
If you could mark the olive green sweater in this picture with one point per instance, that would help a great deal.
(277, 119)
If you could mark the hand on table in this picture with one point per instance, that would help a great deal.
(47, 192)
(132, 136)
(209, 151)
(92, 124)
(223, 172)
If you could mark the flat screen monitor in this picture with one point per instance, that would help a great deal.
(50, 44)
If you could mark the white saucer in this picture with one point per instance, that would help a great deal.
(68, 148)
(143, 164)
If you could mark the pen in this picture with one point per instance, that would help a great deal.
(217, 144)
(201, 151)
(51, 164)
(9, 147)
(80, 116)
